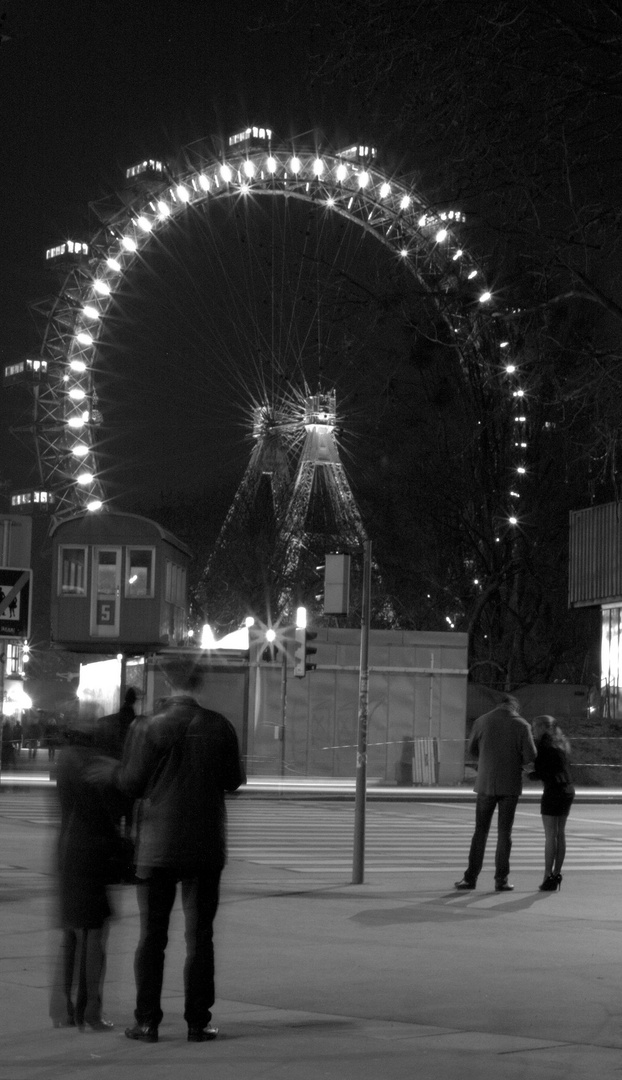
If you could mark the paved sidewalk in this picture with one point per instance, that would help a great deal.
(318, 979)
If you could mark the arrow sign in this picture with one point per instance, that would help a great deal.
(15, 602)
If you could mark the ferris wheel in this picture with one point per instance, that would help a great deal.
(347, 186)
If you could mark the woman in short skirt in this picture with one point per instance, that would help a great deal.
(552, 766)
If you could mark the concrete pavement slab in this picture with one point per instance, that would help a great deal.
(321, 979)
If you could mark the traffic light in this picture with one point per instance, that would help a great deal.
(302, 651)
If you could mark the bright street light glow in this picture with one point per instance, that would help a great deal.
(84, 338)
(318, 167)
(102, 287)
(342, 172)
(249, 168)
(363, 179)
(270, 635)
(163, 209)
(77, 365)
(94, 504)
(85, 478)
(113, 264)
(301, 617)
(182, 193)
(203, 182)
(226, 173)
(90, 312)
(405, 202)
(75, 422)
(441, 235)
(77, 394)
(485, 297)
(385, 190)
(79, 450)
(295, 165)
(129, 244)
(144, 224)
(271, 165)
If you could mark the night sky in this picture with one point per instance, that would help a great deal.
(91, 88)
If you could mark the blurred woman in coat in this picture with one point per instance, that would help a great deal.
(87, 844)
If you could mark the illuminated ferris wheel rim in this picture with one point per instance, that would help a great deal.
(424, 241)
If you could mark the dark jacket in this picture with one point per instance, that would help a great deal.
(180, 764)
(503, 745)
(552, 767)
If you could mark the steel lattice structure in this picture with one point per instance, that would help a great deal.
(322, 511)
(346, 183)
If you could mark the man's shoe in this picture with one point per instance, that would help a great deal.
(464, 884)
(503, 886)
(96, 1025)
(142, 1032)
(199, 1034)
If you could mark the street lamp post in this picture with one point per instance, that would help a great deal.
(358, 862)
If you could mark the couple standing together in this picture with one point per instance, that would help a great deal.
(179, 764)
(504, 745)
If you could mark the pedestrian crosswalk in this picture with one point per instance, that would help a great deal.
(315, 837)
(411, 838)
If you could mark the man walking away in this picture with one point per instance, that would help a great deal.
(502, 743)
(185, 760)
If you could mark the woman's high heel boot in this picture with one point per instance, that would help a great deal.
(550, 884)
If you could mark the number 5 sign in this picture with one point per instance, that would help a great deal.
(15, 602)
(105, 612)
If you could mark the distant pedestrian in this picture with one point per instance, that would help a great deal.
(8, 745)
(127, 714)
(181, 763)
(34, 734)
(552, 766)
(503, 745)
(17, 736)
(52, 737)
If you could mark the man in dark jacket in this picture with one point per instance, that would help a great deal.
(503, 745)
(182, 764)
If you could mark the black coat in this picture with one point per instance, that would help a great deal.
(181, 763)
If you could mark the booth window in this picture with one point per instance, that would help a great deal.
(72, 571)
(139, 571)
(175, 590)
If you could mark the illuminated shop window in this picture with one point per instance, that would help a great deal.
(13, 658)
